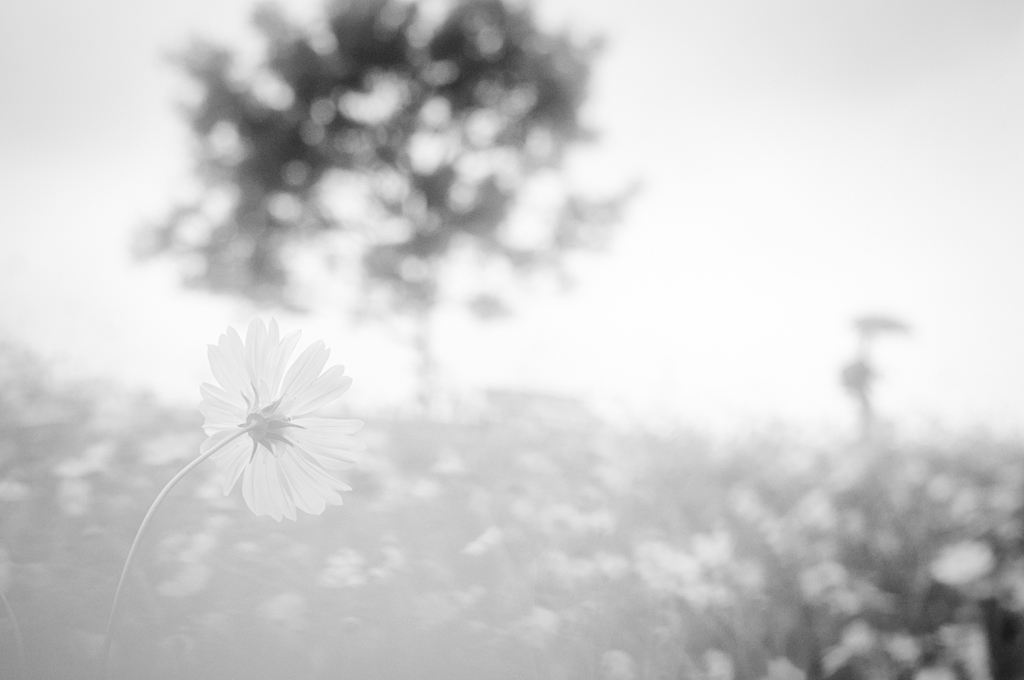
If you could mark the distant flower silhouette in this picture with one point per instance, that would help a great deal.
(286, 459)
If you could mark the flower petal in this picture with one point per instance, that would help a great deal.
(305, 369)
(251, 345)
(226, 401)
(216, 418)
(255, 488)
(248, 493)
(332, 453)
(279, 495)
(224, 371)
(329, 426)
(227, 361)
(328, 387)
(258, 355)
(231, 344)
(306, 495)
(231, 461)
(327, 461)
(269, 355)
(284, 353)
(317, 481)
(317, 473)
(328, 443)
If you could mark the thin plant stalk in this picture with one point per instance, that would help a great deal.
(105, 653)
(22, 663)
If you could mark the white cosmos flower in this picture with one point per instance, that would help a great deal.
(286, 458)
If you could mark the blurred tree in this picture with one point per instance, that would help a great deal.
(859, 376)
(407, 134)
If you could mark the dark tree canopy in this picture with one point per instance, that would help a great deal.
(428, 127)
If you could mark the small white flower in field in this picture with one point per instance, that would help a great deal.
(961, 563)
(286, 457)
(490, 538)
(618, 665)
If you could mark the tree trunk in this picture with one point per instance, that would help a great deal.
(1005, 631)
(426, 374)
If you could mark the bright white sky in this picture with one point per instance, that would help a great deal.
(804, 162)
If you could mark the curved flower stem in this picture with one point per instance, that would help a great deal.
(17, 635)
(105, 654)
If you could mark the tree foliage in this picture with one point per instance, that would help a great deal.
(405, 135)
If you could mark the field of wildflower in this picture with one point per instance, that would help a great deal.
(526, 541)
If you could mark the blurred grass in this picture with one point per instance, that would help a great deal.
(525, 542)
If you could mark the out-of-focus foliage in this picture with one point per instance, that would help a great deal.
(406, 132)
(520, 544)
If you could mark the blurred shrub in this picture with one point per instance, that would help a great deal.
(505, 547)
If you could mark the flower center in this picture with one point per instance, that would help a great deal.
(264, 425)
